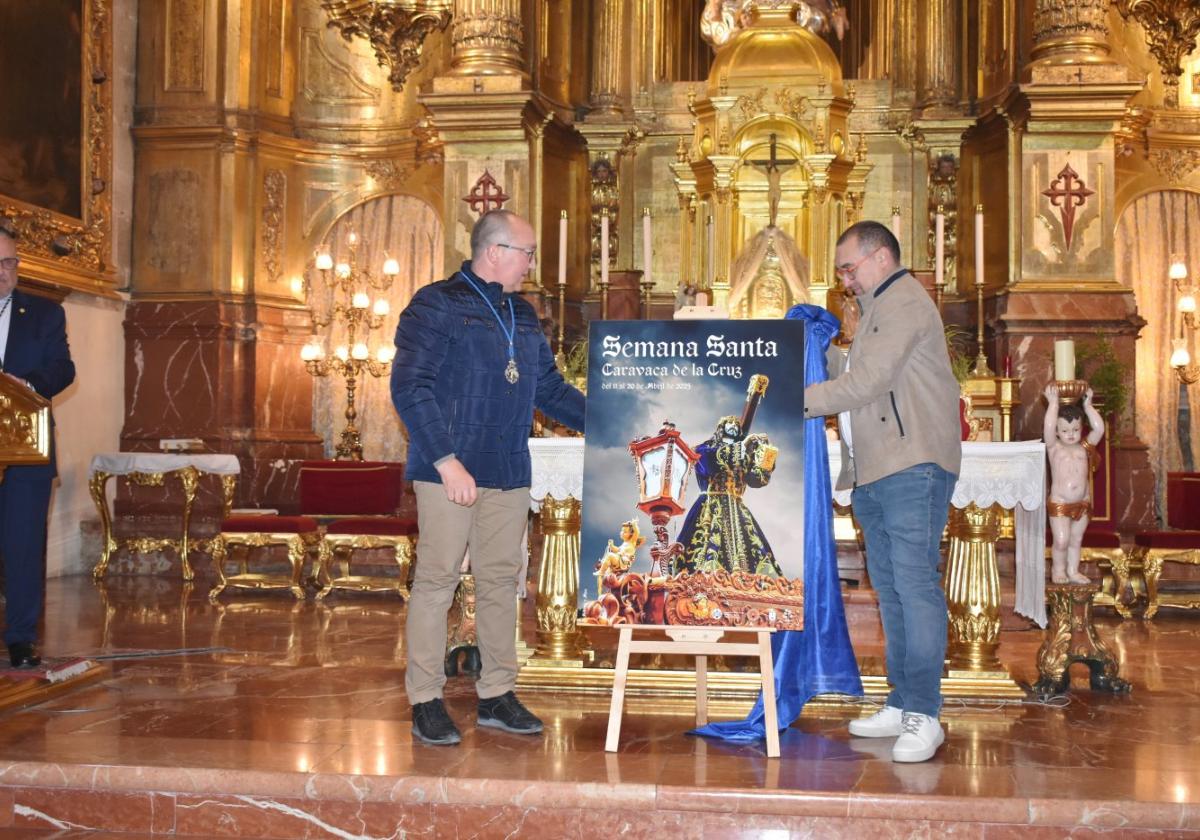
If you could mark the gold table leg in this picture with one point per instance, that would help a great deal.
(96, 486)
(973, 590)
(558, 584)
(228, 486)
(1152, 566)
(188, 479)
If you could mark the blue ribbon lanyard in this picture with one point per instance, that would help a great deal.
(509, 331)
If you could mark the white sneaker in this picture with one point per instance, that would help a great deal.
(886, 723)
(920, 738)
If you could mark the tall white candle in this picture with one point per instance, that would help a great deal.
(896, 222)
(562, 248)
(712, 258)
(1064, 360)
(939, 247)
(646, 245)
(604, 248)
(979, 244)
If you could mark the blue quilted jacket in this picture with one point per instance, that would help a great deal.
(448, 382)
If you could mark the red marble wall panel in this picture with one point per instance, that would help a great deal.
(228, 373)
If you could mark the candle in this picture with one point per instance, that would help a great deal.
(1064, 360)
(896, 222)
(604, 248)
(646, 245)
(979, 245)
(562, 249)
(712, 262)
(939, 247)
(1008, 367)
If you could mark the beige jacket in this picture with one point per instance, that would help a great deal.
(899, 389)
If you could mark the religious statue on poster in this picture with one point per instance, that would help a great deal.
(1073, 459)
(721, 569)
(720, 533)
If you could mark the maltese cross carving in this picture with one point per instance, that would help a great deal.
(1067, 192)
(485, 195)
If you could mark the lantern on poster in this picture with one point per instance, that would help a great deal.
(663, 463)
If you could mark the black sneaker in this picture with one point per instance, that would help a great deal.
(506, 712)
(433, 725)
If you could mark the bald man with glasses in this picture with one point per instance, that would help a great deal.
(471, 365)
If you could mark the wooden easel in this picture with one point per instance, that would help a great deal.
(700, 642)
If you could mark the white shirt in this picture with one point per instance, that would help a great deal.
(844, 420)
(5, 321)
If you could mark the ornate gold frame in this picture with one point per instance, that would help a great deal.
(62, 251)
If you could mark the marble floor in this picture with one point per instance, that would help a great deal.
(289, 720)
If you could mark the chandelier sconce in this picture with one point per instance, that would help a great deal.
(348, 289)
(1187, 370)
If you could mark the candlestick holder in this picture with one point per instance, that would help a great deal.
(981, 364)
(560, 358)
(1070, 390)
(604, 300)
(346, 286)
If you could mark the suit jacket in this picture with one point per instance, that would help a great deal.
(37, 352)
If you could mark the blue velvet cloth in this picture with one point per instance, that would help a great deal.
(818, 659)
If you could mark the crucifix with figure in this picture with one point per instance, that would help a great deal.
(773, 168)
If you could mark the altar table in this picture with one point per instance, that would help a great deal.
(148, 469)
(1011, 475)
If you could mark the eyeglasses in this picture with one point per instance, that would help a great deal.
(847, 273)
(10, 263)
(529, 253)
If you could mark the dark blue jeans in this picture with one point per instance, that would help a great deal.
(902, 518)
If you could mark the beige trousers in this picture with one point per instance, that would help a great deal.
(492, 529)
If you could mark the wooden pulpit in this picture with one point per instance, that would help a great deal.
(24, 424)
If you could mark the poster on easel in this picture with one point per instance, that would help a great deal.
(693, 474)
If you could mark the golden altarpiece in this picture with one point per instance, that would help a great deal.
(265, 131)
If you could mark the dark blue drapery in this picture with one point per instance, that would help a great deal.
(818, 659)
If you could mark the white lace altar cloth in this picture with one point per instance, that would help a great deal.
(1012, 475)
(557, 469)
(124, 463)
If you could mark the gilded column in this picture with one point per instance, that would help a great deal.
(904, 49)
(937, 74)
(1068, 31)
(487, 38)
(973, 590)
(558, 583)
(608, 57)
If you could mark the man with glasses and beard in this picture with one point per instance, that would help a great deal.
(898, 404)
(34, 352)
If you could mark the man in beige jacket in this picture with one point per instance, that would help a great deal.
(898, 402)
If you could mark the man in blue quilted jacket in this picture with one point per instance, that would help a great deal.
(471, 365)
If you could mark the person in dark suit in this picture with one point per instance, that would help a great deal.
(33, 350)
